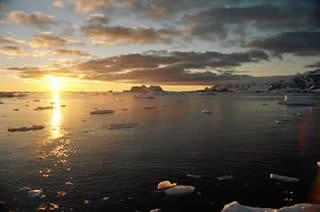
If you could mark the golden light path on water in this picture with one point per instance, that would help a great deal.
(57, 147)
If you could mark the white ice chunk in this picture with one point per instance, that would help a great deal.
(122, 125)
(193, 176)
(296, 101)
(34, 193)
(226, 177)
(284, 178)
(236, 207)
(206, 111)
(165, 184)
(180, 190)
(22, 129)
(97, 112)
(155, 210)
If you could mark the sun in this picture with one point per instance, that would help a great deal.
(55, 83)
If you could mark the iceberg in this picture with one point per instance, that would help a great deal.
(97, 112)
(22, 129)
(206, 111)
(165, 185)
(284, 178)
(236, 207)
(296, 101)
(180, 190)
(122, 125)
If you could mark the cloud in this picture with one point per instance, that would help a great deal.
(35, 19)
(97, 18)
(301, 43)
(58, 4)
(72, 52)
(46, 39)
(315, 64)
(119, 34)
(197, 68)
(8, 40)
(169, 67)
(14, 51)
(84, 6)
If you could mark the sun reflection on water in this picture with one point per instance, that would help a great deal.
(57, 147)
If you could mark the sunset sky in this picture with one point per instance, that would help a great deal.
(99, 45)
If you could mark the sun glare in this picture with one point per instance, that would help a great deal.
(55, 83)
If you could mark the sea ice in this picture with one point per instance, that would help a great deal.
(236, 207)
(22, 129)
(150, 107)
(193, 176)
(226, 177)
(166, 184)
(296, 101)
(97, 112)
(122, 125)
(44, 108)
(180, 190)
(206, 111)
(284, 178)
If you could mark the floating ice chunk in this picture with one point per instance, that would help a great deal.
(105, 198)
(180, 190)
(296, 101)
(24, 189)
(61, 193)
(226, 177)
(44, 108)
(34, 193)
(236, 207)
(55, 206)
(122, 125)
(22, 129)
(284, 178)
(193, 176)
(68, 183)
(144, 97)
(150, 107)
(206, 111)
(155, 210)
(97, 112)
(165, 184)
(277, 121)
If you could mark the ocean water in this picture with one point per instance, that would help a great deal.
(240, 138)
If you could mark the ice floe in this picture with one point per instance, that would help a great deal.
(22, 129)
(193, 176)
(55, 206)
(155, 210)
(277, 121)
(149, 107)
(122, 125)
(165, 185)
(44, 108)
(61, 193)
(105, 198)
(236, 207)
(206, 111)
(284, 178)
(97, 112)
(296, 101)
(34, 193)
(180, 190)
(144, 97)
(226, 177)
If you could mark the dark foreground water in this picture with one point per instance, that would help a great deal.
(240, 138)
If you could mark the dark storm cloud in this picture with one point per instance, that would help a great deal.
(161, 67)
(302, 43)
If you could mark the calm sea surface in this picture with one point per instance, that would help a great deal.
(240, 138)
